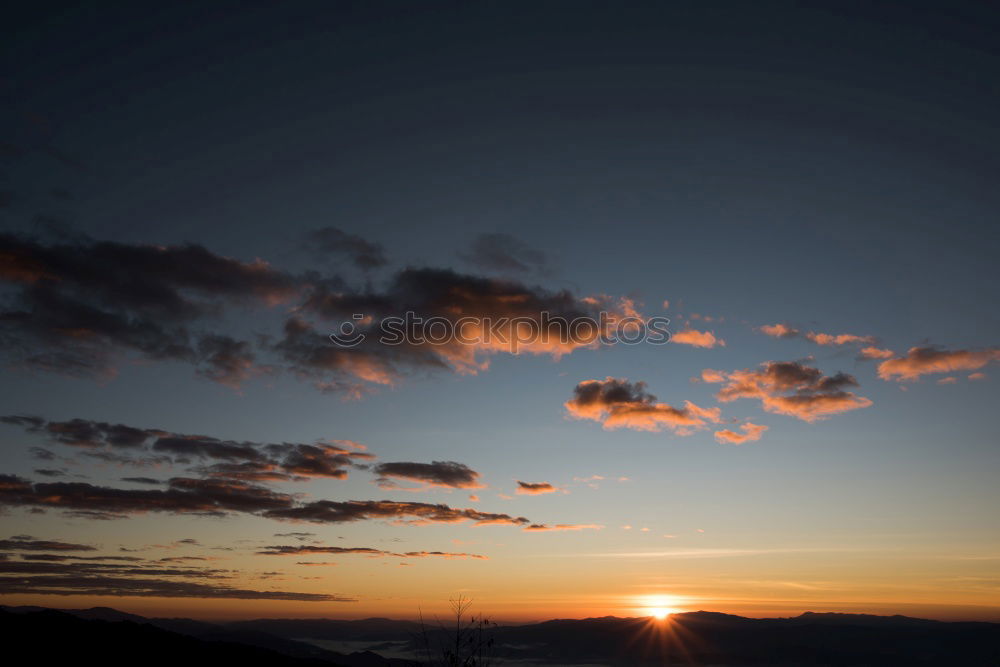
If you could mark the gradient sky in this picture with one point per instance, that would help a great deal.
(826, 167)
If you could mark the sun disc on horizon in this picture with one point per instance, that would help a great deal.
(659, 606)
(660, 613)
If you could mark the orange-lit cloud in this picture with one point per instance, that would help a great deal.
(929, 360)
(779, 330)
(696, 338)
(787, 331)
(750, 432)
(875, 353)
(791, 388)
(541, 527)
(838, 339)
(618, 403)
(535, 488)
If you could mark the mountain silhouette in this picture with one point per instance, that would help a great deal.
(696, 638)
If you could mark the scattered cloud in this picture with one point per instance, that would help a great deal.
(78, 306)
(329, 243)
(27, 543)
(839, 339)
(697, 338)
(875, 353)
(329, 511)
(505, 254)
(618, 403)
(225, 459)
(779, 331)
(535, 488)
(448, 474)
(790, 388)
(787, 331)
(75, 578)
(541, 527)
(750, 433)
(932, 359)
(298, 550)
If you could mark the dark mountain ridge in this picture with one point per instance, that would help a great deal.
(693, 638)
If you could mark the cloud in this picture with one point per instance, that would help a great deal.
(457, 322)
(82, 307)
(779, 331)
(541, 527)
(70, 581)
(790, 388)
(875, 353)
(217, 497)
(329, 511)
(329, 241)
(788, 331)
(184, 495)
(932, 359)
(300, 536)
(238, 460)
(505, 254)
(78, 306)
(839, 339)
(750, 432)
(447, 474)
(25, 543)
(298, 550)
(618, 403)
(696, 338)
(84, 433)
(537, 488)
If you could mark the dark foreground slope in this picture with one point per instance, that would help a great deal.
(109, 637)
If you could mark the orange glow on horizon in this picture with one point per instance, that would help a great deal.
(659, 606)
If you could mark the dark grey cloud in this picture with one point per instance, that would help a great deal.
(183, 495)
(330, 242)
(76, 578)
(329, 511)
(298, 550)
(437, 473)
(50, 472)
(76, 305)
(84, 432)
(79, 306)
(505, 254)
(27, 543)
(448, 299)
(218, 497)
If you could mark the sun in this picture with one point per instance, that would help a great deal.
(659, 606)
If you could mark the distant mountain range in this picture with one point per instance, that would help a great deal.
(110, 637)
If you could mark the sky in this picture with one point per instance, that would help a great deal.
(193, 198)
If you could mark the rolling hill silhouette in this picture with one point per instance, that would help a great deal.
(696, 638)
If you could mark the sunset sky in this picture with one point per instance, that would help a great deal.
(193, 197)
